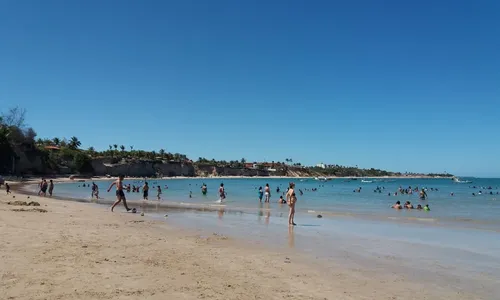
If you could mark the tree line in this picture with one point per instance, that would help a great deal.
(57, 153)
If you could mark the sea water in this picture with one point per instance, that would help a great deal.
(455, 244)
(335, 197)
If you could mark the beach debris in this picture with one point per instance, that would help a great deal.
(319, 216)
(142, 214)
(287, 260)
(166, 216)
(24, 203)
(31, 210)
(21, 203)
(84, 246)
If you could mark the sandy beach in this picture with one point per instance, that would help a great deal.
(83, 251)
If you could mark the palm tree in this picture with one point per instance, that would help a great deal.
(115, 146)
(74, 143)
(243, 160)
(91, 150)
(122, 148)
(162, 152)
(56, 141)
(131, 148)
(110, 147)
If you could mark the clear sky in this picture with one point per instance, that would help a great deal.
(397, 85)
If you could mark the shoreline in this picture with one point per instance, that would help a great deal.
(64, 178)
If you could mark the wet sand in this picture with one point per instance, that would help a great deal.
(83, 251)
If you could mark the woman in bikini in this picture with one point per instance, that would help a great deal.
(291, 199)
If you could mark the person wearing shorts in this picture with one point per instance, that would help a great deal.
(145, 191)
(120, 195)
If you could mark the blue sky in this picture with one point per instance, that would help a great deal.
(386, 84)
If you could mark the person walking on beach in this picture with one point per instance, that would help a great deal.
(291, 200)
(51, 187)
(40, 186)
(7, 188)
(120, 195)
(145, 191)
(267, 192)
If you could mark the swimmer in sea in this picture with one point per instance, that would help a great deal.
(419, 206)
(204, 189)
(397, 205)
(281, 200)
(408, 205)
(427, 208)
(120, 195)
(423, 194)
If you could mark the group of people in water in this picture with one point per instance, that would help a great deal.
(408, 205)
(44, 186)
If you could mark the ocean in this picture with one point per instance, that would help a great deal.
(335, 197)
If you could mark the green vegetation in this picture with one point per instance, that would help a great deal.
(17, 139)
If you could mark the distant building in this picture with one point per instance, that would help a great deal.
(321, 165)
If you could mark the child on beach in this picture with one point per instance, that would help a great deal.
(261, 194)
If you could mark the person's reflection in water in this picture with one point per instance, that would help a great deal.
(260, 213)
(268, 213)
(220, 212)
(291, 237)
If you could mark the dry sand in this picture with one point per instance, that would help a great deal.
(80, 251)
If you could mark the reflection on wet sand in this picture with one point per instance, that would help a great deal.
(220, 212)
(291, 237)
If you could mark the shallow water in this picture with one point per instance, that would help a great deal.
(333, 197)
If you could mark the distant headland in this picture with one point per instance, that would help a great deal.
(22, 153)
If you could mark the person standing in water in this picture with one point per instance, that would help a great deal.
(204, 189)
(267, 193)
(51, 187)
(120, 195)
(291, 200)
(145, 191)
(158, 193)
(222, 192)
(261, 194)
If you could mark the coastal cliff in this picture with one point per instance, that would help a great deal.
(141, 168)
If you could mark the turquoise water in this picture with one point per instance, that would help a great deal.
(334, 197)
